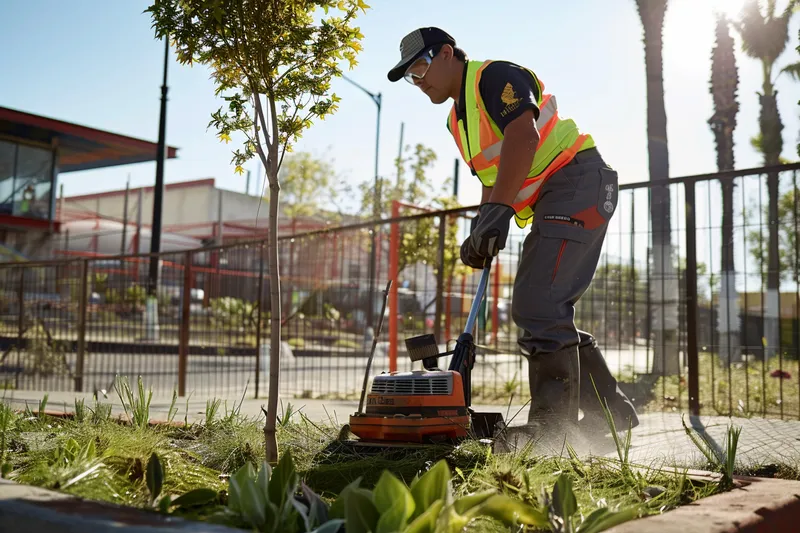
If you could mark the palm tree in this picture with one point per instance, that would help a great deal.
(724, 82)
(664, 286)
(764, 37)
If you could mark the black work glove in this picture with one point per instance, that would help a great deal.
(468, 257)
(488, 235)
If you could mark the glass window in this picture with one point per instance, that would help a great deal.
(33, 183)
(7, 154)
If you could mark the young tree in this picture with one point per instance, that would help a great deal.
(310, 185)
(272, 62)
(419, 239)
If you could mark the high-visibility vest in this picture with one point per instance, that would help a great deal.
(481, 140)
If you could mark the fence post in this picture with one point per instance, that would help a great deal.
(183, 342)
(21, 313)
(691, 300)
(394, 258)
(82, 305)
(437, 322)
(258, 314)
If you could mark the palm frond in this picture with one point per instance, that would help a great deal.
(792, 70)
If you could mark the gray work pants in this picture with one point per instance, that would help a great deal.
(560, 255)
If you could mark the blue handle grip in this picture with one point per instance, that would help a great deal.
(476, 303)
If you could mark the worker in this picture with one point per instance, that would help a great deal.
(537, 168)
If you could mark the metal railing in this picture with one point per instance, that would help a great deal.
(682, 330)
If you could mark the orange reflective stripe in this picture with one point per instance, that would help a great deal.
(549, 115)
(565, 156)
(555, 165)
(479, 161)
(529, 190)
(456, 132)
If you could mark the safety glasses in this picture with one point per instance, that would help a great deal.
(417, 70)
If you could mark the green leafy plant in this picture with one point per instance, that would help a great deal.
(562, 508)
(42, 406)
(173, 409)
(155, 482)
(723, 461)
(427, 505)
(137, 408)
(101, 412)
(80, 410)
(273, 63)
(268, 501)
(212, 408)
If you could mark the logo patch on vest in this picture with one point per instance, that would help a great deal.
(509, 97)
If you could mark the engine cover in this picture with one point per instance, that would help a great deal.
(414, 406)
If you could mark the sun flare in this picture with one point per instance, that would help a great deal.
(730, 8)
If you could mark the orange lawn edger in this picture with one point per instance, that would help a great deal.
(425, 406)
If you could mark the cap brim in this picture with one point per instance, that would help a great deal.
(399, 70)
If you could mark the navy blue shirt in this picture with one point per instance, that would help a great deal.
(507, 90)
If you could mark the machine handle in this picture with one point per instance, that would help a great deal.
(476, 303)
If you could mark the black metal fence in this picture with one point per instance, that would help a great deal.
(682, 328)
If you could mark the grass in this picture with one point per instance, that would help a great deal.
(95, 457)
(741, 389)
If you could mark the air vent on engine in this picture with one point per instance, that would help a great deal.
(411, 384)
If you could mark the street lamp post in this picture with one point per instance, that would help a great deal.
(376, 98)
(158, 190)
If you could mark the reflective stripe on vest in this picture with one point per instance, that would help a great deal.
(481, 142)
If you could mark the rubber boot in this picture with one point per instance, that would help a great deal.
(595, 373)
(555, 389)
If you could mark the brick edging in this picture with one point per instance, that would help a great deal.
(757, 505)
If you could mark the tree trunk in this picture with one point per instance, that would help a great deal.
(270, 441)
(772, 145)
(664, 285)
(728, 308)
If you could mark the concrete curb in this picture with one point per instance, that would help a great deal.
(757, 505)
(26, 509)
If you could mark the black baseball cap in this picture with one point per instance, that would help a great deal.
(414, 44)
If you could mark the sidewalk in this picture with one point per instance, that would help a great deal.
(659, 439)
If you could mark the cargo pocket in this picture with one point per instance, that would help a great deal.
(564, 245)
(608, 193)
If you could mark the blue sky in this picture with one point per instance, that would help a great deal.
(96, 63)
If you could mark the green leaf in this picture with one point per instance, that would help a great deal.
(337, 507)
(465, 503)
(264, 474)
(6, 469)
(510, 512)
(155, 477)
(201, 496)
(252, 502)
(164, 503)
(389, 490)
(432, 486)
(360, 514)
(235, 484)
(283, 482)
(396, 517)
(331, 526)
(318, 509)
(564, 501)
(603, 519)
(426, 522)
